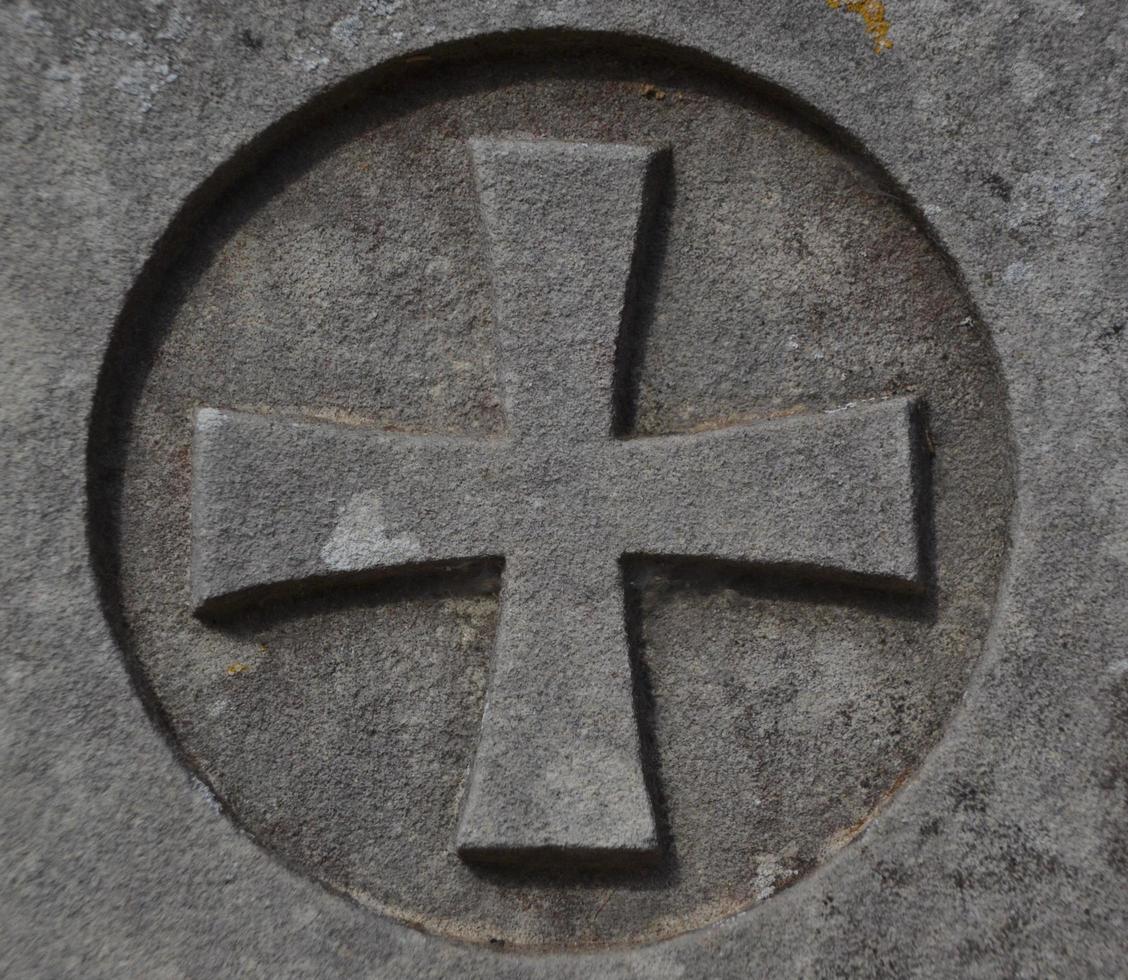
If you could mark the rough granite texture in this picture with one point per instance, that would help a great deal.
(772, 725)
(846, 780)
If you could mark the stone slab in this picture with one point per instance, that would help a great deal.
(992, 839)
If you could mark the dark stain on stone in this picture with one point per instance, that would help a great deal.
(1113, 777)
(967, 797)
(1110, 338)
(999, 186)
(931, 828)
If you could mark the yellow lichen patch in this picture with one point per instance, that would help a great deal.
(237, 668)
(873, 16)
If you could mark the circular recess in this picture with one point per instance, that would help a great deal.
(344, 277)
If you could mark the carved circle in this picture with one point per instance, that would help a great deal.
(339, 274)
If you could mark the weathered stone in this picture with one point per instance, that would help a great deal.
(583, 476)
(558, 774)
(591, 261)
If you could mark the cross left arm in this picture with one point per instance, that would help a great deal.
(279, 504)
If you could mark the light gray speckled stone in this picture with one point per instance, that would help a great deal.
(262, 280)
(280, 506)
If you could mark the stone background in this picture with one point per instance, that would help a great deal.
(348, 279)
(1001, 122)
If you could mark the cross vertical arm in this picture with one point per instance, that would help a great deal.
(558, 776)
(565, 225)
(558, 773)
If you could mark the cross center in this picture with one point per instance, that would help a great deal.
(557, 776)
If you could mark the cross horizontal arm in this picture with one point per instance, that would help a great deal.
(279, 502)
(836, 494)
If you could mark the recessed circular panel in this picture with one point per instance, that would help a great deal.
(348, 287)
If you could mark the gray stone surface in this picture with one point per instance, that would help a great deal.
(281, 506)
(846, 780)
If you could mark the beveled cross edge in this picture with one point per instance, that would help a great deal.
(282, 504)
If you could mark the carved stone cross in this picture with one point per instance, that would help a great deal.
(281, 504)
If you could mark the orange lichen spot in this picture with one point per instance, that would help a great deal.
(847, 834)
(873, 16)
(237, 668)
(653, 92)
(746, 418)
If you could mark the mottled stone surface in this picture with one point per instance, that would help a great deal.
(282, 507)
(782, 444)
(844, 779)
